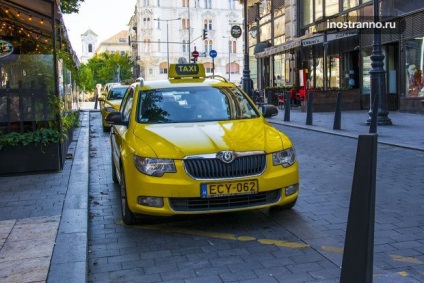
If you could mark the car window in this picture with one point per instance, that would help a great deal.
(193, 104)
(116, 93)
(126, 106)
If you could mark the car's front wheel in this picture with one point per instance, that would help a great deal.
(127, 216)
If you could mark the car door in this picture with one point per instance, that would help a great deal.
(118, 131)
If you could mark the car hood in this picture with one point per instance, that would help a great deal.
(179, 140)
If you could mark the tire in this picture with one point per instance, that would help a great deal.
(127, 216)
(114, 175)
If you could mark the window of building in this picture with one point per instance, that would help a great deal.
(208, 4)
(233, 46)
(319, 5)
(146, 45)
(90, 48)
(158, 3)
(150, 71)
(208, 67)
(163, 68)
(232, 67)
(208, 46)
(207, 23)
(185, 3)
(122, 53)
(331, 7)
(184, 45)
(349, 4)
(159, 45)
(231, 4)
(158, 22)
(185, 23)
(146, 2)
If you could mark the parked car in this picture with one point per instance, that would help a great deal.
(193, 144)
(111, 102)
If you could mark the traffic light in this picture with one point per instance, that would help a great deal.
(205, 34)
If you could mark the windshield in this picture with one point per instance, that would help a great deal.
(116, 93)
(194, 104)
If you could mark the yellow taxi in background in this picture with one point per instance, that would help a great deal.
(193, 144)
(111, 101)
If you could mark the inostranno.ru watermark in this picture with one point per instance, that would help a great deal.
(361, 25)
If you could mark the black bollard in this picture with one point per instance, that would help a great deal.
(338, 113)
(358, 252)
(287, 107)
(96, 101)
(374, 114)
(309, 109)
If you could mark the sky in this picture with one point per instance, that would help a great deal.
(104, 17)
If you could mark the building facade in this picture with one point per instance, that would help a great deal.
(115, 44)
(88, 44)
(163, 32)
(330, 47)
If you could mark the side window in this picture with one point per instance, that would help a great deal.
(127, 105)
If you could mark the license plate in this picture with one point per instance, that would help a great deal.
(210, 190)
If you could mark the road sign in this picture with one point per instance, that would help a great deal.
(235, 31)
(195, 53)
(213, 53)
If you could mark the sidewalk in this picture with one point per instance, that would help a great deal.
(406, 131)
(44, 217)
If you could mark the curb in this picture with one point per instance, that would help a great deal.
(69, 259)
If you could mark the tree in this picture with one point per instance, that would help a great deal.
(103, 69)
(70, 6)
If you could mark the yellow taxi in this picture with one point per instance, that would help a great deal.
(193, 144)
(110, 101)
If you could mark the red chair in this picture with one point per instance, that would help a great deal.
(281, 101)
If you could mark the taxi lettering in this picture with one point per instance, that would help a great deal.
(189, 69)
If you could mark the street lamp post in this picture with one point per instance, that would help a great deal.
(247, 81)
(229, 57)
(167, 36)
(377, 77)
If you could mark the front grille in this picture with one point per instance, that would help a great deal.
(213, 168)
(222, 203)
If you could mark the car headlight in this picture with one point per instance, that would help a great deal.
(154, 166)
(110, 109)
(285, 157)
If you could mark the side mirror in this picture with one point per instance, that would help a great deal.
(269, 110)
(115, 118)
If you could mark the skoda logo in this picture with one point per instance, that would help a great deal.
(226, 156)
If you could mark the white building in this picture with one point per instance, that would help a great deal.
(89, 44)
(160, 35)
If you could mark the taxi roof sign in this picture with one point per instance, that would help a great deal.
(178, 71)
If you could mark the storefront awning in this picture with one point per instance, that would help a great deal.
(292, 44)
(34, 19)
(261, 46)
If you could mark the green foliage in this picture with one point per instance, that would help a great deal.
(102, 69)
(42, 136)
(70, 6)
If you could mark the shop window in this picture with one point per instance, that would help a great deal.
(233, 67)
(414, 53)
(90, 48)
(366, 67)
(208, 46)
(333, 72)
